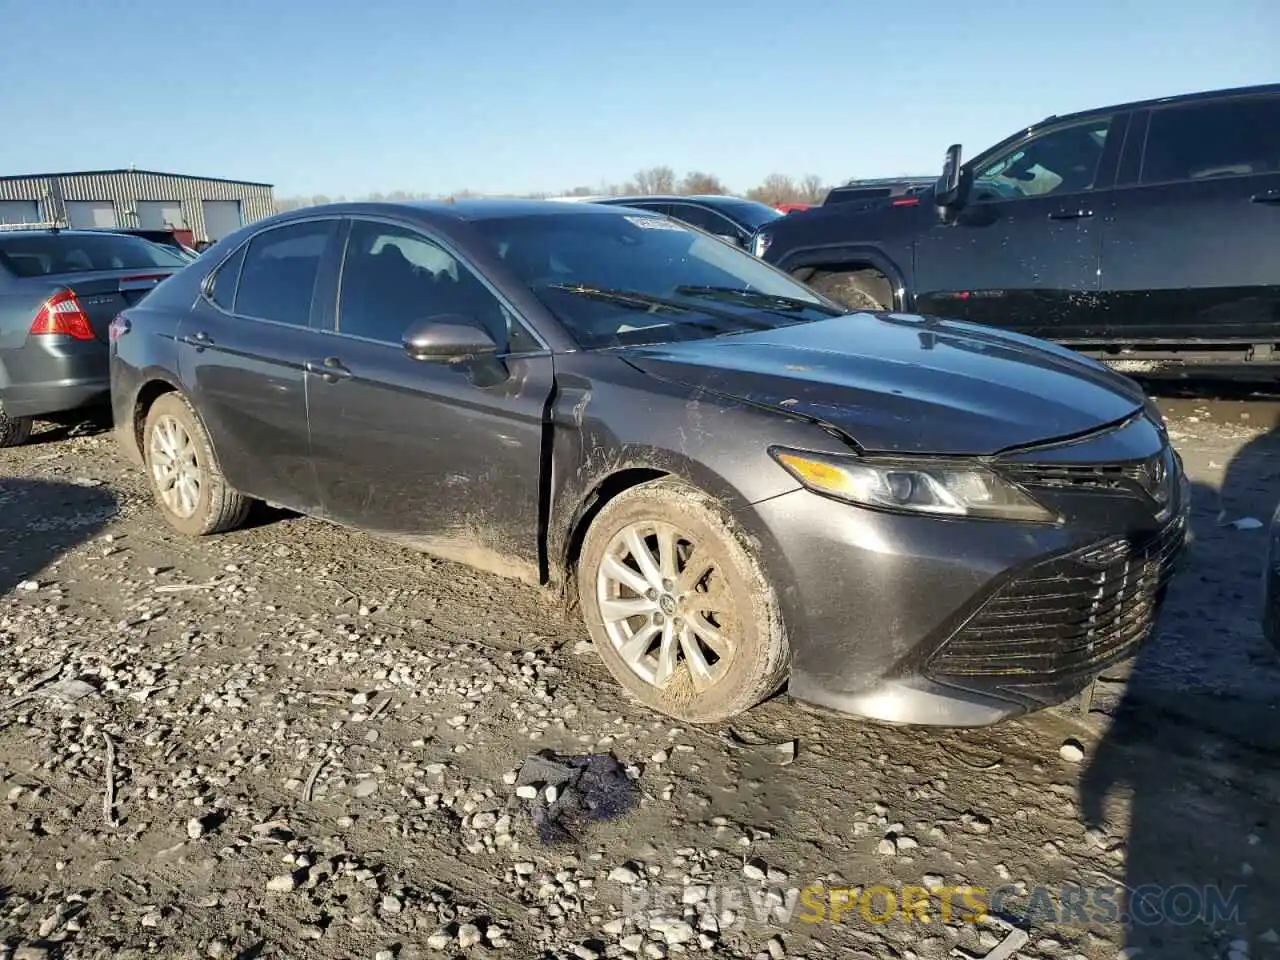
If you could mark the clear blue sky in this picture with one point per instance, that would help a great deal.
(352, 96)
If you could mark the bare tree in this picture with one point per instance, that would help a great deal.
(697, 182)
(812, 189)
(777, 188)
(656, 180)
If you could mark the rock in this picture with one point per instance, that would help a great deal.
(907, 843)
(527, 792)
(672, 931)
(614, 927)
(632, 943)
(886, 847)
(391, 905)
(366, 788)
(584, 952)
(29, 586)
(776, 950)
(755, 869)
(624, 875)
(1071, 751)
(195, 828)
(281, 884)
(439, 940)
(469, 935)
(31, 953)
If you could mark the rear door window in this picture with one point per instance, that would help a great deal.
(278, 277)
(1225, 138)
(59, 254)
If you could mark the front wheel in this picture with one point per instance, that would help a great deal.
(678, 606)
(855, 290)
(14, 431)
(189, 488)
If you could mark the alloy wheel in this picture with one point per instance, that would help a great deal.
(665, 606)
(175, 466)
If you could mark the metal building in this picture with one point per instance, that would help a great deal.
(200, 208)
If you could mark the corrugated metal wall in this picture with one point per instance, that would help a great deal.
(126, 187)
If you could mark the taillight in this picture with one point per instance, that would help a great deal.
(63, 315)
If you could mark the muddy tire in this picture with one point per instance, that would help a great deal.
(855, 290)
(678, 606)
(14, 431)
(185, 479)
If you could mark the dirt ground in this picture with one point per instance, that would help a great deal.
(297, 741)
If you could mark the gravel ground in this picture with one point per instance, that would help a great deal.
(297, 741)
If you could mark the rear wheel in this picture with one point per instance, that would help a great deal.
(188, 486)
(14, 431)
(855, 289)
(678, 606)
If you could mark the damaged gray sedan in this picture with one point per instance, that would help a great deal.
(740, 484)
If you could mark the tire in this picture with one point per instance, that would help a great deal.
(214, 507)
(14, 431)
(744, 618)
(856, 290)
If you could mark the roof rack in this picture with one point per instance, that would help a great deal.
(32, 225)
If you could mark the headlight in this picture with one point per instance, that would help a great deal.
(938, 488)
(760, 243)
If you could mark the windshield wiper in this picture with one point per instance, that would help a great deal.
(644, 301)
(756, 298)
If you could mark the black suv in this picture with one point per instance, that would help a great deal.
(1146, 235)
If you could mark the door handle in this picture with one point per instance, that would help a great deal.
(330, 368)
(198, 339)
(1271, 196)
(1070, 214)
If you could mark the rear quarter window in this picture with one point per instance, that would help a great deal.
(45, 254)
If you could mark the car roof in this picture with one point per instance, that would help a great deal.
(710, 198)
(67, 231)
(470, 209)
(1201, 95)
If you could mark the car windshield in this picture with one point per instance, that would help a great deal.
(55, 254)
(748, 212)
(616, 279)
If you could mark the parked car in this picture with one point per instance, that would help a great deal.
(166, 238)
(1146, 234)
(59, 290)
(878, 189)
(909, 519)
(732, 219)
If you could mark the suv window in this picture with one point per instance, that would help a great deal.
(48, 254)
(1226, 138)
(1062, 160)
(278, 278)
(393, 276)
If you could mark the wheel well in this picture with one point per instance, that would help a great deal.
(151, 391)
(605, 491)
(877, 282)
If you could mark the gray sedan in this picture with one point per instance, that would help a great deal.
(739, 484)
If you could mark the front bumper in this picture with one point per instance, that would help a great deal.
(916, 620)
(49, 375)
(1271, 584)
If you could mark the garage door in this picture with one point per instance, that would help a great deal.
(91, 213)
(19, 211)
(160, 215)
(221, 217)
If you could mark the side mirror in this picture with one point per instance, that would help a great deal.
(949, 190)
(448, 338)
(730, 238)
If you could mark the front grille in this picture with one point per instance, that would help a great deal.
(1108, 476)
(1066, 617)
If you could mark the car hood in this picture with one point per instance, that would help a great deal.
(901, 383)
